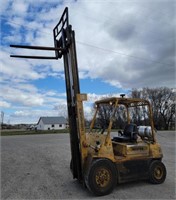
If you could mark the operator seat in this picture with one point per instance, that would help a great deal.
(128, 135)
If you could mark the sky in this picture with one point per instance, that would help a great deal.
(120, 45)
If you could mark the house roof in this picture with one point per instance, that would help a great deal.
(53, 120)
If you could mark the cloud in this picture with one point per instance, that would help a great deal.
(19, 7)
(4, 6)
(21, 96)
(136, 35)
(129, 44)
(4, 104)
(141, 49)
(17, 69)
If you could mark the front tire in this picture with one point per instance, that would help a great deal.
(157, 172)
(102, 177)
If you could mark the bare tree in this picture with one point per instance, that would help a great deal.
(105, 113)
(167, 106)
(163, 104)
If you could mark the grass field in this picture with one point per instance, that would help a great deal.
(30, 132)
(10, 132)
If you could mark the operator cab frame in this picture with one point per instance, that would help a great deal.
(128, 103)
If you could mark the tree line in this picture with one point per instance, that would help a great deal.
(163, 106)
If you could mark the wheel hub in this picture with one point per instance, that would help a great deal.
(102, 177)
(158, 172)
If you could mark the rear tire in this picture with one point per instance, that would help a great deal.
(102, 177)
(157, 172)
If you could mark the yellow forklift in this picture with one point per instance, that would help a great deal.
(99, 160)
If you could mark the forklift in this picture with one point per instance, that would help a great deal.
(99, 160)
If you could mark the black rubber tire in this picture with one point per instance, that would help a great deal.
(102, 177)
(157, 172)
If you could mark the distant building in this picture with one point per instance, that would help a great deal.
(52, 123)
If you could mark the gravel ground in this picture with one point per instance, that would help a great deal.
(37, 167)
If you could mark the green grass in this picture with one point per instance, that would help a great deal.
(31, 132)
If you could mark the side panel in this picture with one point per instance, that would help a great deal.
(100, 146)
(133, 170)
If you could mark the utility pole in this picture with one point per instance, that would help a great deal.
(2, 119)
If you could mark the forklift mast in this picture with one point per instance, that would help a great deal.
(64, 46)
(64, 38)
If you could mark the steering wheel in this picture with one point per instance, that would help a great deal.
(120, 133)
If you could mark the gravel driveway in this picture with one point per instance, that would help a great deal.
(37, 167)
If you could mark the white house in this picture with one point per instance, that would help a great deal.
(52, 123)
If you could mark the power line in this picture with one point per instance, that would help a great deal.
(122, 54)
(94, 46)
